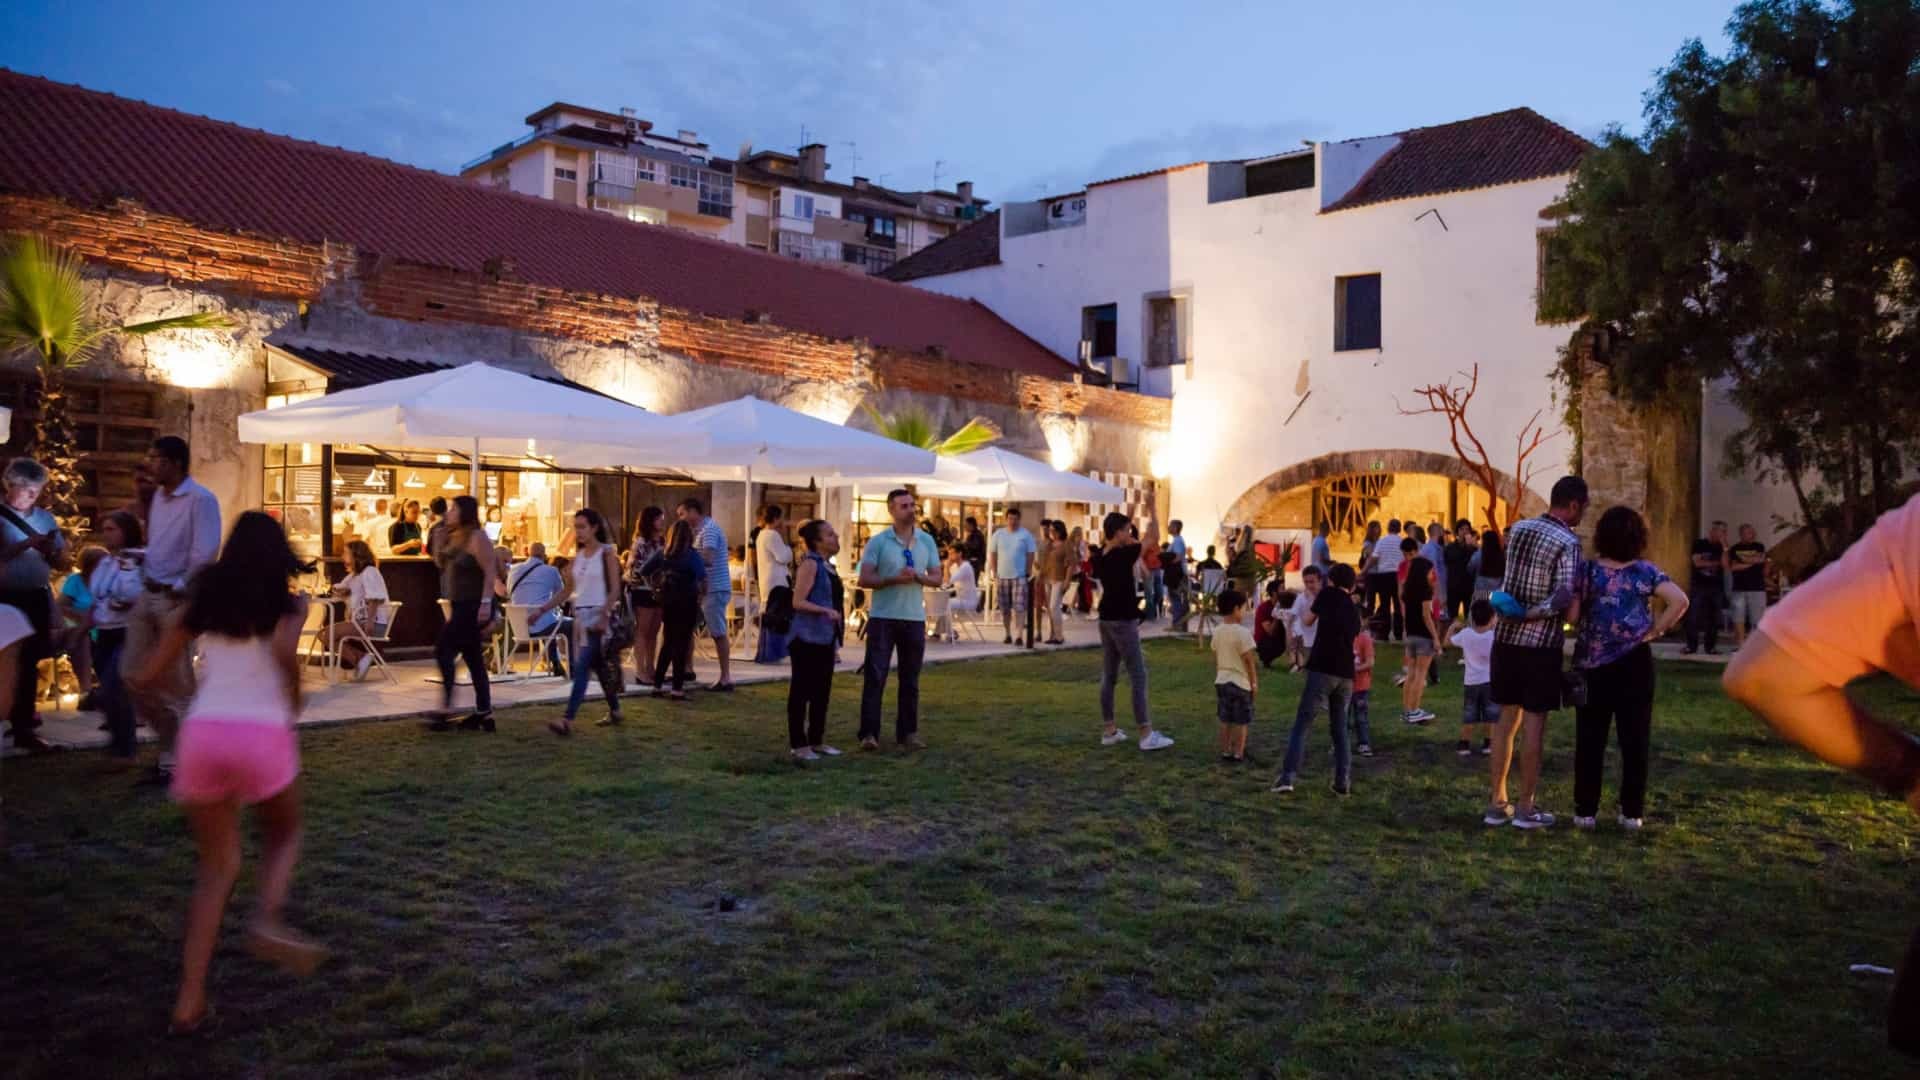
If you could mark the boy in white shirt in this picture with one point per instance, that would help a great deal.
(1236, 674)
(1300, 635)
(1476, 647)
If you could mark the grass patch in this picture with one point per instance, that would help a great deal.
(1016, 901)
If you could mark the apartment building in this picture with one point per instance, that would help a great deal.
(617, 163)
(768, 200)
(794, 210)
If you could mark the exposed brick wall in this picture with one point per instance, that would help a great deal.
(130, 238)
(436, 294)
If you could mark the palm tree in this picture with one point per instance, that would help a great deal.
(44, 311)
(915, 428)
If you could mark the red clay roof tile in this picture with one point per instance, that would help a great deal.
(1503, 148)
(223, 176)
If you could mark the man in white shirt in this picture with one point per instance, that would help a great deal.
(183, 535)
(376, 531)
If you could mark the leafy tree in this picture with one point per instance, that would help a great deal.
(1763, 230)
(44, 312)
(915, 428)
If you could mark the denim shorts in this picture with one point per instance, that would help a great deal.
(1419, 646)
(1234, 703)
(1478, 705)
(716, 608)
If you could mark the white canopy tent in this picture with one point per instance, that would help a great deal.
(1009, 477)
(478, 409)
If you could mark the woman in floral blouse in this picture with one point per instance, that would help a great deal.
(1613, 607)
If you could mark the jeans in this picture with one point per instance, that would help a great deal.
(1703, 617)
(592, 657)
(1156, 592)
(1386, 603)
(1120, 644)
(1619, 692)
(676, 646)
(108, 653)
(884, 637)
(1056, 596)
(1357, 716)
(1334, 692)
(807, 693)
(461, 636)
(1459, 602)
(37, 606)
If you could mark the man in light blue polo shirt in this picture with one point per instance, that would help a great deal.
(1010, 562)
(1178, 593)
(894, 567)
(716, 603)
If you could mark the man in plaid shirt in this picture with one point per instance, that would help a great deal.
(1542, 555)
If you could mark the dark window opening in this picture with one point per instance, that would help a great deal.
(1356, 312)
(1284, 174)
(1100, 329)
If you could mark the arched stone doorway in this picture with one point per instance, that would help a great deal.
(1346, 490)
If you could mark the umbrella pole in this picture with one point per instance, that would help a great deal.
(473, 477)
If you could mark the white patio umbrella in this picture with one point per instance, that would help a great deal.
(479, 409)
(755, 441)
(1009, 477)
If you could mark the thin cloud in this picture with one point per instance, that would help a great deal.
(281, 87)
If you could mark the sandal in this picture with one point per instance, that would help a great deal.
(721, 688)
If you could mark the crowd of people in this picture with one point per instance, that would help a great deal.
(161, 586)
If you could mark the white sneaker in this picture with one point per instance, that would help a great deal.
(1582, 822)
(1282, 786)
(1400, 679)
(826, 751)
(1114, 738)
(360, 669)
(1421, 716)
(1535, 818)
(1631, 824)
(1155, 741)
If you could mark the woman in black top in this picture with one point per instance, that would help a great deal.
(403, 536)
(1416, 598)
(464, 562)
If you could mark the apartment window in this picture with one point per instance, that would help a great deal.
(810, 248)
(685, 176)
(716, 194)
(565, 174)
(872, 260)
(858, 217)
(797, 206)
(1167, 322)
(1100, 329)
(1356, 312)
(881, 226)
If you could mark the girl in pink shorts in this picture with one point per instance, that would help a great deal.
(237, 747)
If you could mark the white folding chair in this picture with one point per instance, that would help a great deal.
(382, 636)
(940, 614)
(966, 619)
(520, 635)
(315, 633)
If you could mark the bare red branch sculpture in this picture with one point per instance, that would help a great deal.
(1451, 400)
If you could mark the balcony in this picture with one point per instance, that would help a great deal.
(611, 190)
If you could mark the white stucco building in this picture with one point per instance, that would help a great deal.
(1290, 305)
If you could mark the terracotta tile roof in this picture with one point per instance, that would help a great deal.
(346, 370)
(226, 177)
(976, 245)
(1503, 148)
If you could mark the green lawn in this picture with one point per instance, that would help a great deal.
(1015, 901)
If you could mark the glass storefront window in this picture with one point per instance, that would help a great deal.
(292, 484)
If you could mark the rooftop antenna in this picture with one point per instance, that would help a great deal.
(853, 151)
(936, 173)
(803, 135)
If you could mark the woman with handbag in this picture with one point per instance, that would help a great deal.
(773, 562)
(677, 573)
(648, 535)
(816, 616)
(600, 624)
(1612, 605)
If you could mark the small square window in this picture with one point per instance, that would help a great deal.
(1356, 312)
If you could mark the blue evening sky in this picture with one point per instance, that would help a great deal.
(1020, 97)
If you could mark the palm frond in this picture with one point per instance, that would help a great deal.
(198, 320)
(975, 434)
(910, 426)
(43, 303)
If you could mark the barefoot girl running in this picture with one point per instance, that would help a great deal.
(237, 747)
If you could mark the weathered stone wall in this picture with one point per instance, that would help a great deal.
(146, 266)
(1648, 459)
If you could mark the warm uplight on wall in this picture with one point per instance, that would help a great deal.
(189, 364)
(1061, 458)
(1063, 444)
(1160, 463)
